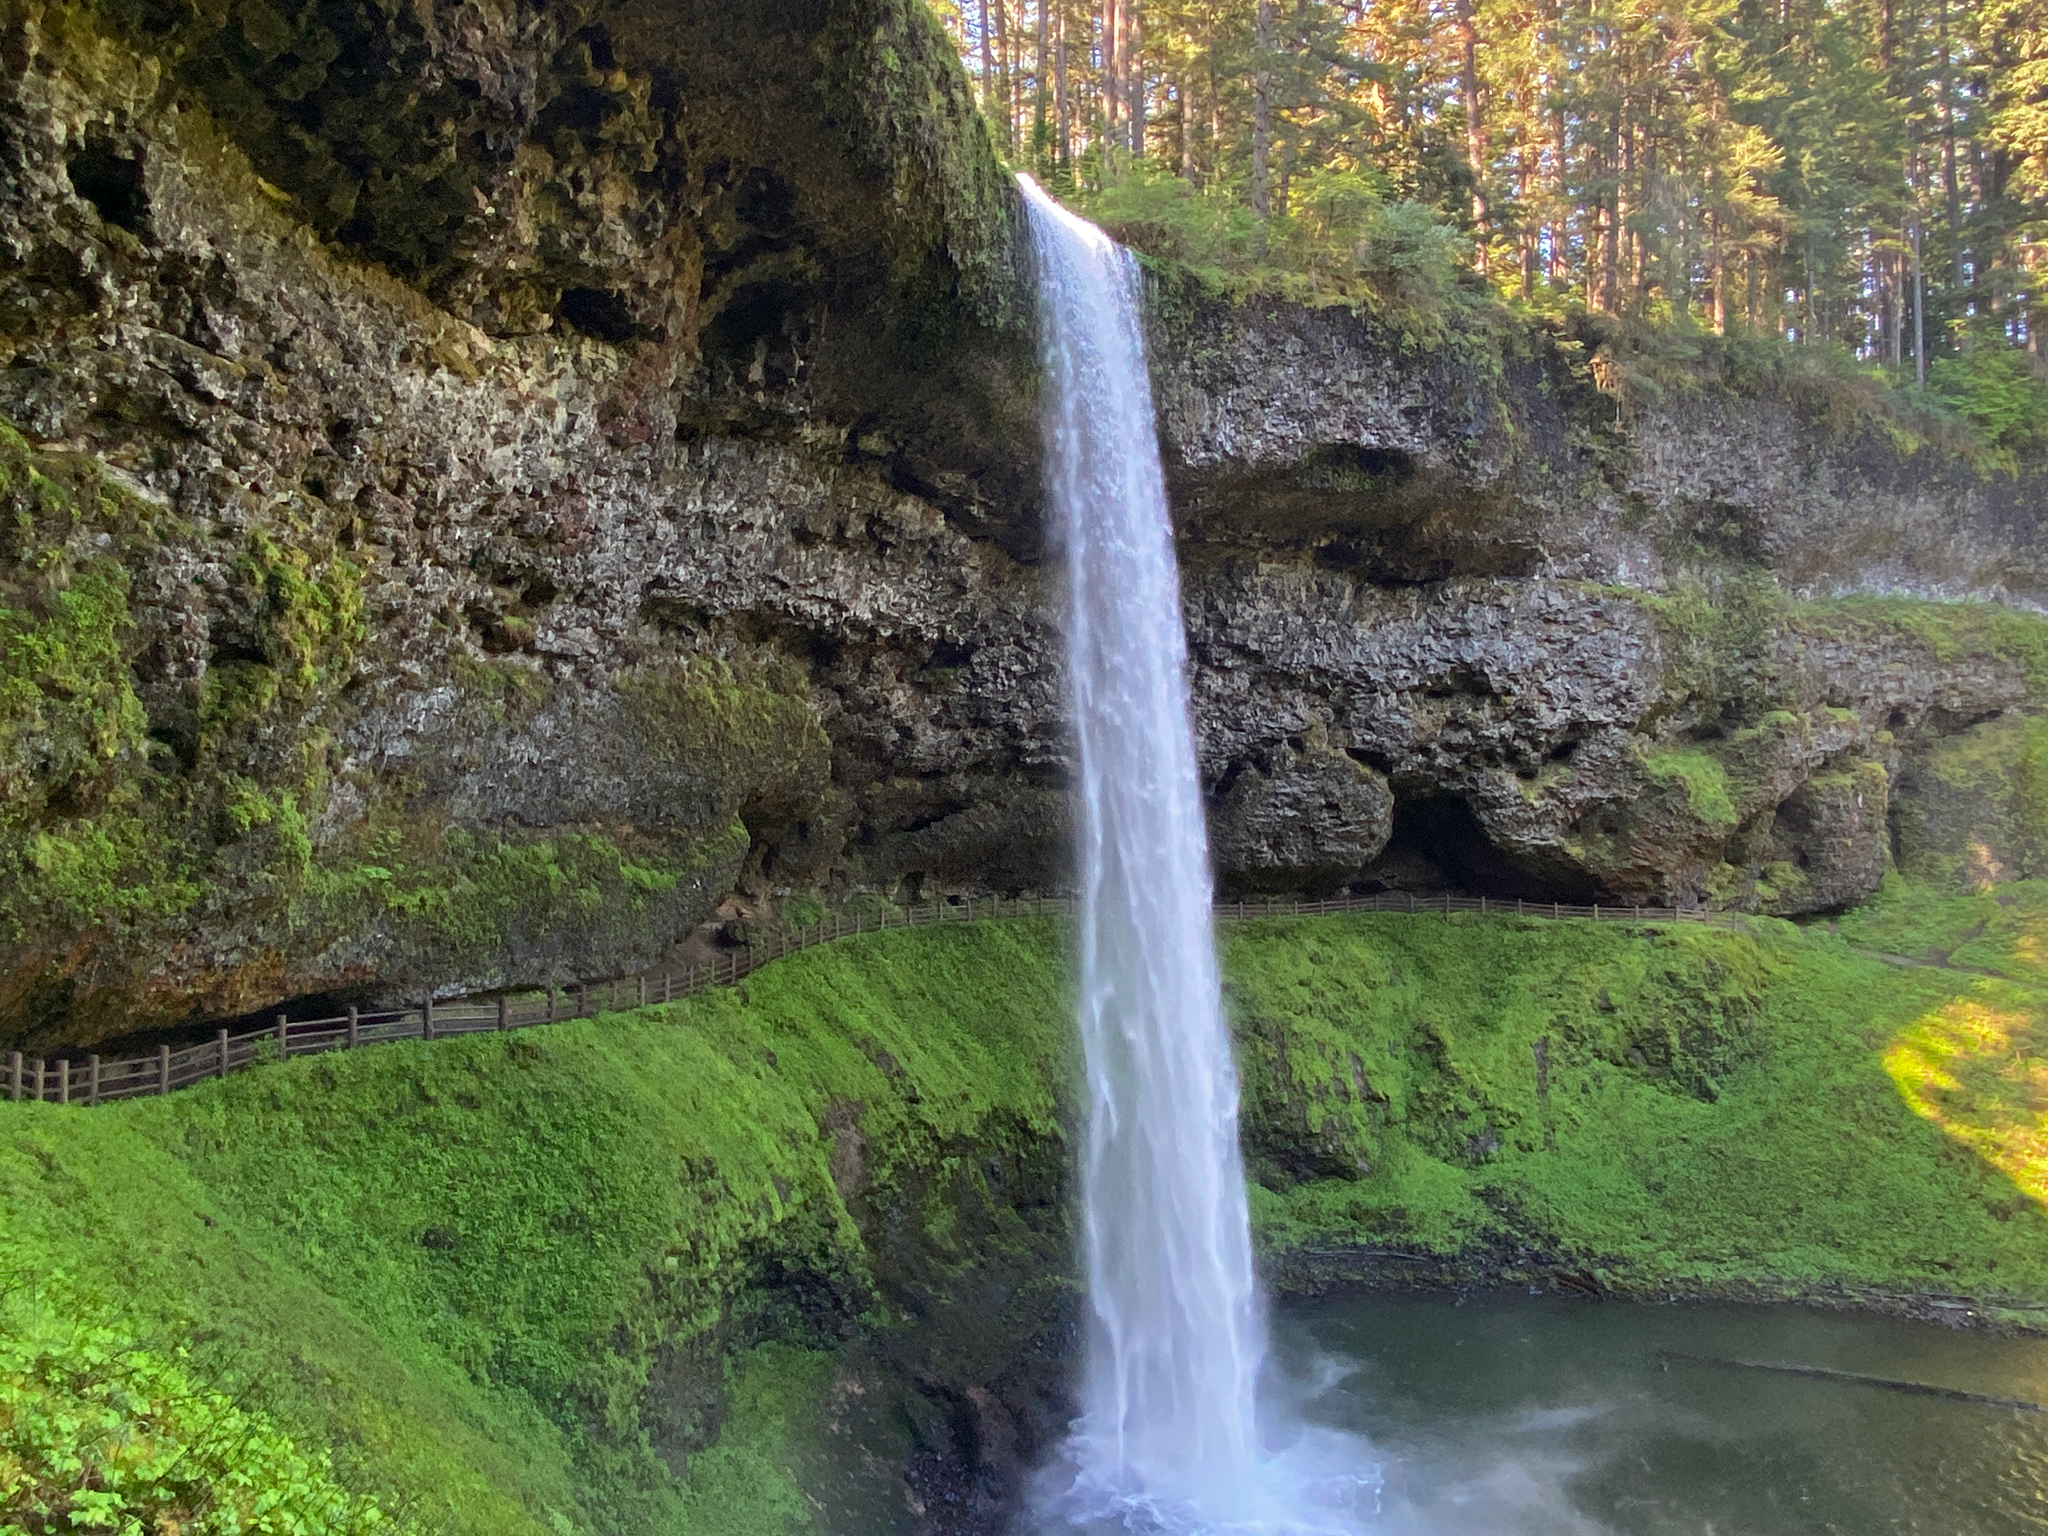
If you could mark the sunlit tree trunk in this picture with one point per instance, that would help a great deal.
(1262, 107)
(1061, 98)
(1134, 63)
(1475, 128)
(1111, 70)
(1184, 92)
(988, 65)
(1041, 125)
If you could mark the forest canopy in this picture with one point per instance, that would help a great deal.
(1866, 175)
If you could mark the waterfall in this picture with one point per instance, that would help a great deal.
(1168, 1426)
(1169, 1438)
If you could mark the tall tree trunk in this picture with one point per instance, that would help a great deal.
(1950, 183)
(1475, 127)
(1112, 72)
(1895, 293)
(1215, 115)
(1920, 310)
(1041, 124)
(1005, 75)
(1717, 269)
(988, 65)
(1560, 223)
(1184, 92)
(1523, 182)
(1134, 82)
(1610, 233)
(1262, 106)
(1062, 100)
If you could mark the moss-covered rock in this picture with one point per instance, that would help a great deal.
(182, 832)
(1974, 807)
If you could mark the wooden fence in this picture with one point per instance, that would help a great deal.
(96, 1081)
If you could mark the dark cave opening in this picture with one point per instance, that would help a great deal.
(1438, 844)
(112, 183)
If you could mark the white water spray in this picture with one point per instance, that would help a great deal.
(1168, 1439)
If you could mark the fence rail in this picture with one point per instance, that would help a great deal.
(94, 1081)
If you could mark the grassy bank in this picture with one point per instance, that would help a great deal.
(459, 1265)
(1796, 1110)
(519, 1284)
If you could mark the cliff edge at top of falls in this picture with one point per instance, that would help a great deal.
(492, 489)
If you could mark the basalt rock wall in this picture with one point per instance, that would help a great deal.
(496, 489)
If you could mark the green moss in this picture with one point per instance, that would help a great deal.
(83, 840)
(1695, 1106)
(894, 80)
(1703, 780)
(745, 1485)
(1949, 633)
(1977, 813)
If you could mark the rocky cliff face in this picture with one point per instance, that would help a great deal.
(496, 487)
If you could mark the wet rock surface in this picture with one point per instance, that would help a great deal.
(522, 542)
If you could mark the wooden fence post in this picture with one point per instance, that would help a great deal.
(551, 1002)
(14, 1076)
(1554, 912)
(39, 1079)
(504, 1012)
(163, 1069)
(355, 1027)
(284, 1039)
(640, 983)
(220, 1041)
(427, 1018)
(92, 1079)
(64, 1080)
(1596, 911)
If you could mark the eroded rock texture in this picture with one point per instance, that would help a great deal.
(495, 484)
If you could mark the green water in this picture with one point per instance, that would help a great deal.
(1533, 1416)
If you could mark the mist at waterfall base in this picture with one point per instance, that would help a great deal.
(1170, 1437)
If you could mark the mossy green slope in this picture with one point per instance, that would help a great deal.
(1692, 1107)
(456, 1263)
(459, 1266)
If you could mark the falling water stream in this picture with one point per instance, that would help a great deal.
(1168, 1437)
(1508, 1419)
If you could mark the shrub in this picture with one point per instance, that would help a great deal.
(100, 1432)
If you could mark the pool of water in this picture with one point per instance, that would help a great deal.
(1535, 1416)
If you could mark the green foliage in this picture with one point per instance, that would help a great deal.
(101, 1432)
(1348, 242)
(1998, 392)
